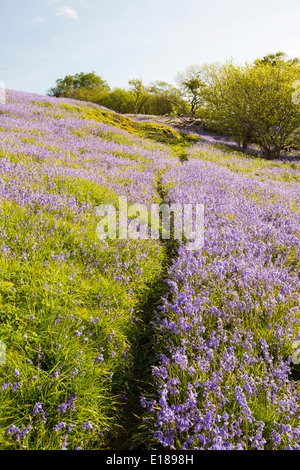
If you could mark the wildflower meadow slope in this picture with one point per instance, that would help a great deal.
(74, 310)
(68, 300)
(228, 332)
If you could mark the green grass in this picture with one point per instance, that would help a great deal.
(46, 307)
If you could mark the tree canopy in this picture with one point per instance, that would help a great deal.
(253, 102)
(71, 83)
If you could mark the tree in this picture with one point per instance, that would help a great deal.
(118, 100)
(273, 115)
(68, 86)
(93, 95)
(226, 96)
(139, 94)
(191, 86)
(166, 99)
(254, 102)
(277, 59)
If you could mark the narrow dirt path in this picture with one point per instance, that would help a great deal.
(133, 432)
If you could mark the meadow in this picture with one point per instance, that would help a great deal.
(142, 344)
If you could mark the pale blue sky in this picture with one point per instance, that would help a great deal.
(42, 40)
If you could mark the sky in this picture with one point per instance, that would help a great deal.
(44, 40)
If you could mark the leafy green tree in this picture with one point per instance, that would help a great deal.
(226, 94)
(139, 95)
(191, 85)
(254, 103)
(118, 100)
(93, 95)
(273, 115)
(166, 99)
(65, 87)
(279, 58)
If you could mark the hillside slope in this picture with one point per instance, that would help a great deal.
(141, 343)
(70, 314)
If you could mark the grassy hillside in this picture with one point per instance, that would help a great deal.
(142, 343)
(70, 303)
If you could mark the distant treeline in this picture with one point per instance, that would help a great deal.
(254, 102)
(160, 98)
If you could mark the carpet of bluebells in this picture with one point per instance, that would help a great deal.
(227, 370)
(68, 300)
(224, 367)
